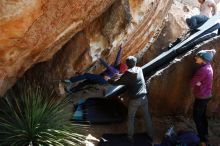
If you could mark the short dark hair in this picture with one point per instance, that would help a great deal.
(131, 61)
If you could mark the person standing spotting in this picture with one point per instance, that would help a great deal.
(207, 9)
(133, 79)
(201, 85)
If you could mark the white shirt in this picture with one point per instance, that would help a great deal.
(205, 8)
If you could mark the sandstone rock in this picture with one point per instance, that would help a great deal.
(33, 31)
(174, 27)
(102, 37)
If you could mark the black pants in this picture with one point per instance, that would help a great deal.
(200, 119)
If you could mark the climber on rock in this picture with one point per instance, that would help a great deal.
(89, 78)
(207, 9)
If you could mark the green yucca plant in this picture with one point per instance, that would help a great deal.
(31, 115)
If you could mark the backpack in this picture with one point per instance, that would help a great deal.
(187, 138)
(182, 138)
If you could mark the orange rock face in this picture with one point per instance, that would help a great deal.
(33, 31)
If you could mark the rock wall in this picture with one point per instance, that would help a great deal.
(134, 24)
(174, 27)
(33, 31)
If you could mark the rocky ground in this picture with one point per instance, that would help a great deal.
(160, 125)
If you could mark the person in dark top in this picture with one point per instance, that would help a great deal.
(133, 79)
(89, 78)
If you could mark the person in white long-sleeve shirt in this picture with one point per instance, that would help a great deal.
(208, 8)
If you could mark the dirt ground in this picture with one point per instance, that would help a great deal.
(160, 127)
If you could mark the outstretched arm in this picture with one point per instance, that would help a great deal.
(123, 79)
(105, 64)
(117, 59)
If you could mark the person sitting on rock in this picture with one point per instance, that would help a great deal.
(89, 78)
(207, 9)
